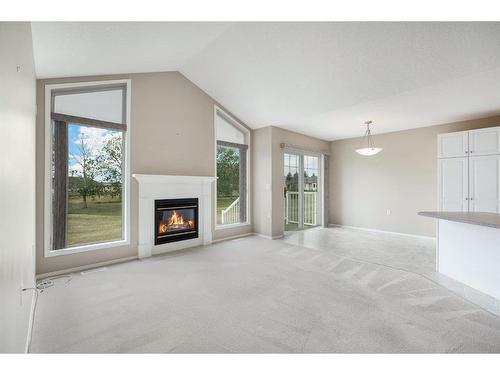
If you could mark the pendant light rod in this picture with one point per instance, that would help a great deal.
(371, 149)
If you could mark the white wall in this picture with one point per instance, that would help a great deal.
(17, 183)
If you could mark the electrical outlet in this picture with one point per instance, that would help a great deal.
(388, 212)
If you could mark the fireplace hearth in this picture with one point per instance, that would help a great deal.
(175, 220)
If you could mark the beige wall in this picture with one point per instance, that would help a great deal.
(268, 175)
(402, 178)
(262, 181)
(171, 132)
(17, 184)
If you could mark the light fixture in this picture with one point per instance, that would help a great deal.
(371, 149)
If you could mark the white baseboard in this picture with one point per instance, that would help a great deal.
(81, 268)
(268, 237)
(232, 237)
(382, 231)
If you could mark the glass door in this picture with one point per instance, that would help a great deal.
(310, 191)
(301, 191)
(291, 191)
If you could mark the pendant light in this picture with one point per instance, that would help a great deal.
(368, 140)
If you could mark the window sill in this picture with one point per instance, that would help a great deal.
(228, 226)
(85, 248)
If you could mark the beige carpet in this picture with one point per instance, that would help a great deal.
(324, 290)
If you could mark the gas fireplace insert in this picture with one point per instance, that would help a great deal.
(175, 220)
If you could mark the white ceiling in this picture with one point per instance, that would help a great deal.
(65, 49)
(320, 79)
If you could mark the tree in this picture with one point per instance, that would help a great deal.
(228, 171)
(110, 165)
(292, 181)
(86, 184)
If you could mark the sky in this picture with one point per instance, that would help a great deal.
(94, 137)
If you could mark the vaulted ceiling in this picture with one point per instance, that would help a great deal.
(320, 79)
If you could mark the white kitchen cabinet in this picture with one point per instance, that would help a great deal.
(469, 170)
(484, 141)
(453, 184)
(452, 145)
(484, 183)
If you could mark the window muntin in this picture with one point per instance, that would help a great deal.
(311, 173)
(231, 169)
(88, 168)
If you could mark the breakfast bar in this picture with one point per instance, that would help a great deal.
(468, 248)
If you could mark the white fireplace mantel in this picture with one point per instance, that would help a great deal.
(152, 187)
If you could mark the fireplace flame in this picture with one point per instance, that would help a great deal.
(175, 221)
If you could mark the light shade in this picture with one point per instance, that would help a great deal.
(369, 151)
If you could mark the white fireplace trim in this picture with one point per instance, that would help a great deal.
(152, 187)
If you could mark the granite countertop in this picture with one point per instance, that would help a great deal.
(485, 219)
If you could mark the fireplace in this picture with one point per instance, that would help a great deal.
(175, 220)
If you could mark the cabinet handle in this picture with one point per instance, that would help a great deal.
(466, 199)
(471, 152)
(472, 199)
(466, 152)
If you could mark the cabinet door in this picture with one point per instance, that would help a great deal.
(453, 184)
(484, 183)
(484, 141)
(452, 145)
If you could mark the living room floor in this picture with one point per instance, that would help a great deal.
(320, 290)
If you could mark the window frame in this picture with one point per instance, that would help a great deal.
(238, 125)
(48, 147)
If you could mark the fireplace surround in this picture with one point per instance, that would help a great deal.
(154, 188)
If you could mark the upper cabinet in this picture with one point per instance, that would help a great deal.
(469, 143)
(453, 145)
(484, 141)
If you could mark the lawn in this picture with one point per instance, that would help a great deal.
(100, 221)
(223, 203)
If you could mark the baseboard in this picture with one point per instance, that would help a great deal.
(268, 237)
(31, 319)
(232, 237)
(382, 231)
(82, 268)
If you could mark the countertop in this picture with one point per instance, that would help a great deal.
(485, 219)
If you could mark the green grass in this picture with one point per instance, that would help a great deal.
(101, 221)
(223, 203)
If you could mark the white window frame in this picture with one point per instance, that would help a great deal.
(247, 134)
(48, 252)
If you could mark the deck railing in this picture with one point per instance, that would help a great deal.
(292, 207)
(231, 214)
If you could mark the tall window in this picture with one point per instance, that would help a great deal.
(232, 164)
(87, 131)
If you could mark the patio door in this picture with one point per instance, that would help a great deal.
(301, 192)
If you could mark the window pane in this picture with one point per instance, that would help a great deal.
(228, 185)
(94, 185)
(99, 105)
(227, 131)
